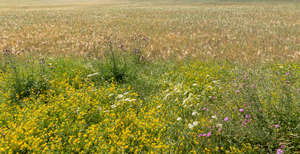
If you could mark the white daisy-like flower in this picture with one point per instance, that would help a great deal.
(195, 84)
(179, 118)
(120, 96)
(195, 123)
(195, 113)
(113, 106)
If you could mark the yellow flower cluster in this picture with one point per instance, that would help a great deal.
(194, 115)
(89, 119)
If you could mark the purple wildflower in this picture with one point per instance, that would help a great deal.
(202, 135)
(279, 151)
(226, 119)
(237, 91)
(247, 116)
(277, 126)
(287, 73)
(245, 122)
(208, 134)
(241, 110)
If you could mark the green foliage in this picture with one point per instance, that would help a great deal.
(24, 79)
(190, 98)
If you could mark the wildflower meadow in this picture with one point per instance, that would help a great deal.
(124, 76)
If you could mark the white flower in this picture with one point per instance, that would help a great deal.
(158, 106)
(130, 100)
(192, 125)
(99, 108)
(179, 118)
(195, 113)
(110, 95)
(195, 123)
(120, 96)
(113, 106)
(94, 74)
(214, 117)
(219, 125)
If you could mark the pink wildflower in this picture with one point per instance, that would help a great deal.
(287, 73)
(247, 116)
(245, 122)
(237, 91)
(279, 151)
(208, 134)
(226, 119)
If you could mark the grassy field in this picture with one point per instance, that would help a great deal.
(137, 76)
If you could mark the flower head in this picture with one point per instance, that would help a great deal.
(192, 125)
(205, 134)
(287, 73)
(208, 134)
(226, 119)
(241, 110)
(237, 91)
(279, 151)
(195, 123)
(195, 113)
(276, 126)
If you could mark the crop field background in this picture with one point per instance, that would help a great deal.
(141, 76)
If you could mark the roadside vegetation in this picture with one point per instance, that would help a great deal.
(139, 77)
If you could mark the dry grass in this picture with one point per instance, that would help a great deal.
(247, 32)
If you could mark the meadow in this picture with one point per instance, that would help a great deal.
(137, 76)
